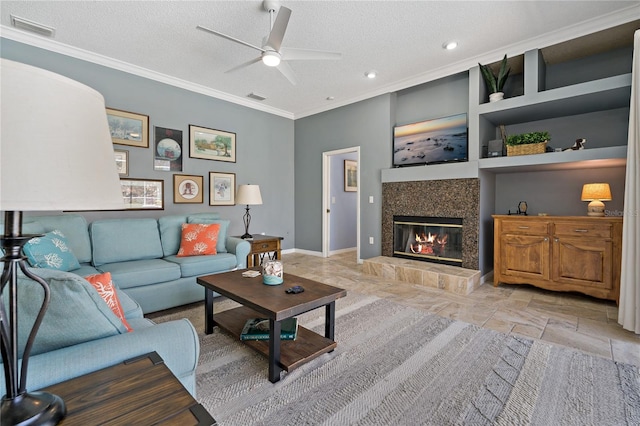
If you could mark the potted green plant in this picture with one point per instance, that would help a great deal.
(527, 143)
(495, 83)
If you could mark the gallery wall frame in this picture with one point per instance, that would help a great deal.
(222, 189)
(142, 194)
(122, 161)
(350, 175)
(188, 189)
(212, 144)
(128, 128)
(167, 155)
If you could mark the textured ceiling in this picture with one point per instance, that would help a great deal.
(402, 40)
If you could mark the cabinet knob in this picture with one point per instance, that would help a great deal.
(546, 239)
(556, 240)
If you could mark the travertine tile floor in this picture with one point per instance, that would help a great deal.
(568, 319)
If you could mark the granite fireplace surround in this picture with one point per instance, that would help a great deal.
(438, 198)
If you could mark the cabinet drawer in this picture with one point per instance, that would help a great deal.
(264, 246)
(601, 230)
(525, 227)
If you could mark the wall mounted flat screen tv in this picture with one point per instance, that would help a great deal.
(436, 141)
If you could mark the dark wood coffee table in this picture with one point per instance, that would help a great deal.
(265, 301)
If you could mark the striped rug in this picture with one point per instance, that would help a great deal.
(396, 365)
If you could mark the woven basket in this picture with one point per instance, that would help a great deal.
(527, 149)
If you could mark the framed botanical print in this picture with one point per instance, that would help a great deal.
(211, 144)
(128, 128)
(143, 194)
(122, 161)
(222, 189)
(187, 189)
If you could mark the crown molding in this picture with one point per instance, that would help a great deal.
(568, 33)
(85, 55)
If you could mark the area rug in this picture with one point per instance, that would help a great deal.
(395, 365)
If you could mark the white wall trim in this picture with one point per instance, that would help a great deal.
(340, 251)
(302, 251)
(85, 55)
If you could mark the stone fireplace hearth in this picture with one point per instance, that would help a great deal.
(459, 198)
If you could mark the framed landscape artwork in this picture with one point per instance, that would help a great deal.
(128, 128)
(350, 175)
(222, 189)
(143, 194)
(211, 144)
(187, 189)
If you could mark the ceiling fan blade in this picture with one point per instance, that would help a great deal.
(286, 70)
(219, 34)
(292, 54)
(245, 64)
(279, 28)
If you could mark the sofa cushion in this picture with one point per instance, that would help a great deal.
(141, 272)
(105, 288)
(221, 247)
(199, 239)
(51, 251)
(203, 265)
(121, 240)
(171, 233)
(74, 227)
(76, 312)
(130, 307)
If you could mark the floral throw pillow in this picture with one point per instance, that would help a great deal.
(199, 239)
(103, 284)
(51, 251)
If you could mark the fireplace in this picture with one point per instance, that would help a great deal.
(430, 239)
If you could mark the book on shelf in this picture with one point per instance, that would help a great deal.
(258, 329)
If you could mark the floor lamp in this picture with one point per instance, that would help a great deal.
(55, 154)
(250, 196)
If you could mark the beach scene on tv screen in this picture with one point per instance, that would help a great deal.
(432, 141)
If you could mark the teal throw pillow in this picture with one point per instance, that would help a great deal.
(51, 251)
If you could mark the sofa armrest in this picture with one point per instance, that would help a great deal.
(240, 248)
(175, 341)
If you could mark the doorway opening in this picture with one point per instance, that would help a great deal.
(340, 202)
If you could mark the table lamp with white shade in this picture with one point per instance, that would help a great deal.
(250, 196)
(55, 154)
(596, 193)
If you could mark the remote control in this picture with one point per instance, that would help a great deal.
(294, 290)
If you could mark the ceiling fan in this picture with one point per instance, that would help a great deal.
(273, 54)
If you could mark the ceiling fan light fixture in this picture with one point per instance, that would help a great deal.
(271, 58)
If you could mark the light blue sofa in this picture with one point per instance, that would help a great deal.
(140, 254)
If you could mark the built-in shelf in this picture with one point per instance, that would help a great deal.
(599, 95)
(615, 156)
(468, 169)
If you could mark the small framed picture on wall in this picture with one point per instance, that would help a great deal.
(222, 189)
(128, 128)
(122, 162)
(211, 144)
(350, 175)
(187, 189)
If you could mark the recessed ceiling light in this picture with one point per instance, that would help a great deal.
(371, 74)
(450, 45)
(330, 98)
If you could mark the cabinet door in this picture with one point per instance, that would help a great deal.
(583, 261)
(525, 256)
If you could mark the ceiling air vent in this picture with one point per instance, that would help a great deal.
(255, 96)
(34, 27)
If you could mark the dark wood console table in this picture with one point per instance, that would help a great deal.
(261, 246)
(140, 391)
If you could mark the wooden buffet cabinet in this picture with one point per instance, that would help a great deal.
(562, 253)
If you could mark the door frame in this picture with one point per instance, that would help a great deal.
(326, 199)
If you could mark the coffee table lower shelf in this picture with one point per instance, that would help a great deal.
(293, 353)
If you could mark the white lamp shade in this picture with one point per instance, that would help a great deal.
(249, 195)
(55, 148)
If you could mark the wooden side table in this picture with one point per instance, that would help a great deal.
(139, 391)
(261, 246)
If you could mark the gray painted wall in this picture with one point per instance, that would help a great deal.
(343, 217)
(265, 144)
(366, 124)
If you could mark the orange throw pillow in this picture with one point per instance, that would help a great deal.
(106, 289)
(198, 239)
